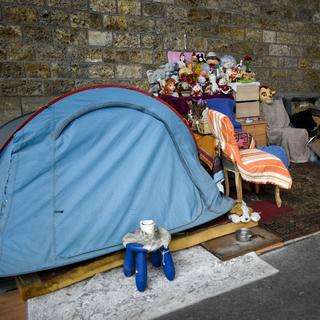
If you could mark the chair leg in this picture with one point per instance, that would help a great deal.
(238, 186)
(226, 182)
(277, 196)
(257, 188)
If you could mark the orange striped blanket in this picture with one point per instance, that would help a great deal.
(254, 165)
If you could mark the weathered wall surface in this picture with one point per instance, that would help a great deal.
(51, 46)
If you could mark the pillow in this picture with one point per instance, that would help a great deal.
(225, 106)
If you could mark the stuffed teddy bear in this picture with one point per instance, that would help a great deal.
(241, 213)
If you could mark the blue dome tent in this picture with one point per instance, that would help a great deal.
(81, 172)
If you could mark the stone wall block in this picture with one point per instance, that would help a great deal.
(56, 17)
(37, 70)
(270, 23)
(141, 56)
(11, 70)
(175, 13)
(144, 25)
(126, 40)
(109, 6)
(80, 4)
(129, 7)
(232, 19)
(231, 33)
(86, 20)
(199, 15)
(10, 33)
(152, 41)
(57, 87)
(141, 84)
(297, 51)
(20, 52)
(49, 53)
(26, 2)
(279, 74)
(10, 109)
(312, 52)
(43, 34)
(288, 38)
(294, 75)
(174, 42)
(128, 71)
(160, 57)
(154, 9)
(65, 4)
(69, 36)
(288, 62)
(115, 23)
(270, 62)
(115, 55)
(59, 70)
(165, 1)
(21, 15)
(192, 3)
(279, 50)
(92, 55)
(30, 104)
(20, 88)
(3, 53)
(100, 38)
(253, 35)
(197, 43)
(269, 36)
(101, 71)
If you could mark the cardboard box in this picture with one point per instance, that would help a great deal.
(247, 92)
(247, 109)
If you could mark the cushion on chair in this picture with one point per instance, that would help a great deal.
(225, 106)
(254, 165)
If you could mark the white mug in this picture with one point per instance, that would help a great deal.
(148, 226)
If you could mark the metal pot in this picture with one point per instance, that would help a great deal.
(244, 235)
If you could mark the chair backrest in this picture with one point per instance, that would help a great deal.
(222, 128)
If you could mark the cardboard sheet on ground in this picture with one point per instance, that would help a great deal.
(109, 295)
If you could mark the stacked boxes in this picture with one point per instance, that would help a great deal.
(247, 100)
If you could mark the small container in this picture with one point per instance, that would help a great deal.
(244, 235)
(148, 226)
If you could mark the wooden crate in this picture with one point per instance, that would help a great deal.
(247, 109)
(247, 92)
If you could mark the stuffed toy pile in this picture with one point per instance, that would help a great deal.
(196, 74)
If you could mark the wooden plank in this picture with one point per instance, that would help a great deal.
(228, 247)
(12, 307)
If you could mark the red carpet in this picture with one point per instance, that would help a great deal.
(269, 210)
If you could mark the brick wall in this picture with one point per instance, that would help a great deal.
(51, 46)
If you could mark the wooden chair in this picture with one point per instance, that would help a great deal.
(251, 165)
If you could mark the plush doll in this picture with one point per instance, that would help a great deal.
(184, 71)
(213, 87)
(184, 89)
(201, 58)
(242, 213)
(169, 88)
(223, 87)
(196, 90)
(266, 94)
(212, 59)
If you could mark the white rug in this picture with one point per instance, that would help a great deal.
(110, 295)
